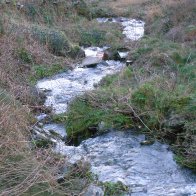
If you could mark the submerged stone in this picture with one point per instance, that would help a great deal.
(93, 190)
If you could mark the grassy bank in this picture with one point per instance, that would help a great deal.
(157, 92)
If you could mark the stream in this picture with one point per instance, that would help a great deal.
(147, 170)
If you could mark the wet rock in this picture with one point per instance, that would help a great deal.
(91, 62)
(129, 62)
(93, 190)
(41, 117)
(55, 130)
(122, 53)
(41, 138)
(40, 125)
(19, 6)
(147, 142)
(97, 52)
(108, 55)
(7, 1)
(116, 54)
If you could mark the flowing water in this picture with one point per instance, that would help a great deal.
(117, 155)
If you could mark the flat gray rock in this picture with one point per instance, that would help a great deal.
(91, 62)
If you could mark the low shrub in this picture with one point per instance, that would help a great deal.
(57, 42)
(24, 55)
(93, 37)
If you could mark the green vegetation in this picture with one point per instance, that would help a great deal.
(24, 56)
(41, 71)
(56, 40)
(39, 40)
(59, 118)
(84, 120)
(92, 37)
(157, 93)
(1, 27)
(114, 189)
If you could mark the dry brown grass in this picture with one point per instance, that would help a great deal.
(19, 170)
(148, 9)
(19, 167)
(25, 170)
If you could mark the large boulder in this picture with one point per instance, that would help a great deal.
(91, 62)
(117, 54)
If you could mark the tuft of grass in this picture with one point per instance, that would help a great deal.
(42, 71)
(114, 189)
(91, 37)
(83, 119)
(24, 55)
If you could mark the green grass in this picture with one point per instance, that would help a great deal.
(24, 56)
(42, 71)
(114, 189)
(83, 119)
(154, 93)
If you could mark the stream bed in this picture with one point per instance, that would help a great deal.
(148, 170)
